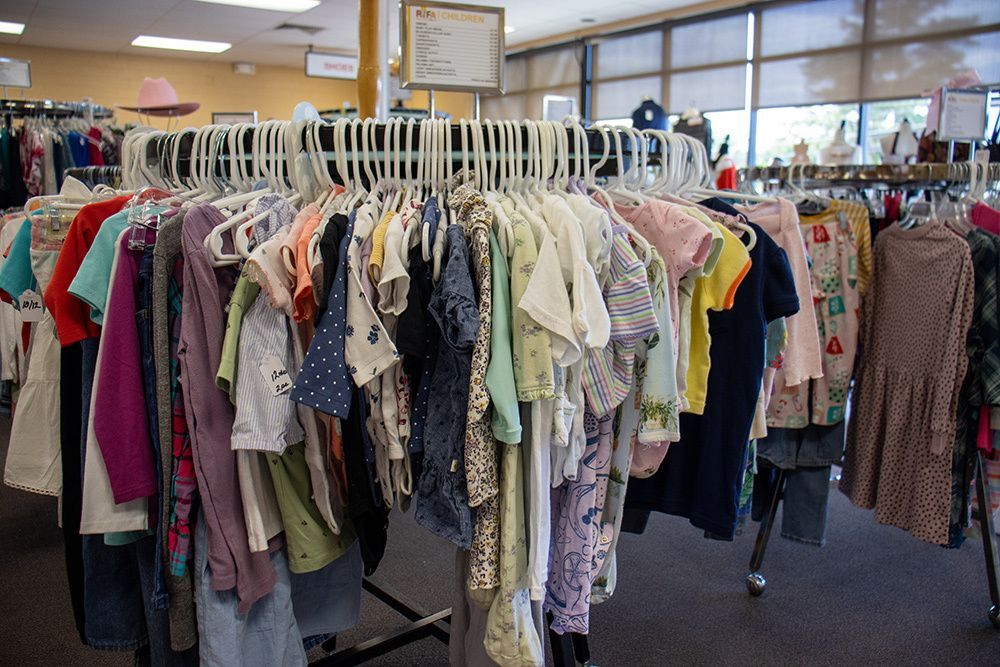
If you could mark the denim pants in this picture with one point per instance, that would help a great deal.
(267, 636)
(806, 455)
(144, 326)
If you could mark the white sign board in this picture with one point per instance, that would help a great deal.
(15, 73)
(452, 47)
(963, 115)
(331, 65)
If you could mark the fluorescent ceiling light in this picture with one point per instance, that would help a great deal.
(9, 28)
(288, 6)
(181, 44)
(508, 29)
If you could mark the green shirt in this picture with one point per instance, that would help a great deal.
(500, 373)
(244, 294)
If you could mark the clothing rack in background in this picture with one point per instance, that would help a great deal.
(906, 177)
(108, 175)
(10, 109)
(870, 175)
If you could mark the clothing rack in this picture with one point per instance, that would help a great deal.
(160, 152)
(49, 109)
(108, 174)
(872, 175)
(905, 176)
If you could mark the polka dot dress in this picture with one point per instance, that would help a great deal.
(913, 361)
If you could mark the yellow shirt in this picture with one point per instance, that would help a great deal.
(716, 291)
(378, 248)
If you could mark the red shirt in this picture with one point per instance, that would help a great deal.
(71, 315)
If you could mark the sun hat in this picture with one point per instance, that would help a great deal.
(158, 98)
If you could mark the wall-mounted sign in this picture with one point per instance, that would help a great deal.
(963, 115)
(331, 65)
(15, 73)
(233, 117)
(452, 47)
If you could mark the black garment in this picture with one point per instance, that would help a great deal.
(701, 477)
(649, 116)
(329, 251)
(417, 339)
(701, 131)
(70, 411)
(364, 507)
(17, 194)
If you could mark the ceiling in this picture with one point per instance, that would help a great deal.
(111, 25)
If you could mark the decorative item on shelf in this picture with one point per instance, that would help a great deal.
(800, 153)
(901, 146)
(839, 151)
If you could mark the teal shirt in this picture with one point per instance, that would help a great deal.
(506, 420)
(93, 278)
(16, 276)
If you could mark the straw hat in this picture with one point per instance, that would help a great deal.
(158, 98)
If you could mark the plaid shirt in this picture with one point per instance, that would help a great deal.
(183, 486)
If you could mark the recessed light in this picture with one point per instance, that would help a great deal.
(181, 44)
(288, 6)
(507, 29)
(588, 19)
(8, 28)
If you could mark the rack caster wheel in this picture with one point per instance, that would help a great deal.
(756, 583)
(994, 615)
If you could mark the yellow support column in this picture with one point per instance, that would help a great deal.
(369, 65)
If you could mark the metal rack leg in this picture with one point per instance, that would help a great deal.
(756, 583)
(989, 539)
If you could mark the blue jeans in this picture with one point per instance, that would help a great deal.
(806, 456)
(144, 326)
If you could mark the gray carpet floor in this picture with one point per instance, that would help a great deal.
(872, 595)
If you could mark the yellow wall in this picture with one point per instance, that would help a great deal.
(111, 79)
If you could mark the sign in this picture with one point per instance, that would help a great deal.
(557, 107)
(452, 47)
(331, 65)
(15, 73)
(963, 115)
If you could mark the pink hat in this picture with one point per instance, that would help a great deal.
(158, 98)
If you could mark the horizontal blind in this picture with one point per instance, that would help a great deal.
(808, 26)
(551, 69)
(617, 99)
(634, 54)
(719, 89)
(906, 18)
(821, 79)
(709, 42)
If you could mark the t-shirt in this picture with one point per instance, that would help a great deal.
(93, 278)
(72, 316)
(714, 292)
(702, 474)
(16, 276)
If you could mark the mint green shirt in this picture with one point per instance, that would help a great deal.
(506, 420)
(93, 278)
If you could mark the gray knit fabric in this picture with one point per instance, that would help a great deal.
(183, 625)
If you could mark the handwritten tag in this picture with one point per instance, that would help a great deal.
(31, 306)
(275, 375)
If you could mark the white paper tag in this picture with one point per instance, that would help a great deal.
(275, 375)
(31, 306)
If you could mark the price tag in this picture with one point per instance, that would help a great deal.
(275, 375)
(31, 306)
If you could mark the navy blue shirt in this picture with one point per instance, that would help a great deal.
(702, 474)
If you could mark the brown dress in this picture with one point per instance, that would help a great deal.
(913, 360)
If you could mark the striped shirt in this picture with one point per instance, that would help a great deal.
(608, 373)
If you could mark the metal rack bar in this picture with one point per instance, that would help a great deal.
(874, 174)
(756, 583)
(50, 108)
(989, 538)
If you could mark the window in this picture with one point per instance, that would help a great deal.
(884, 118)
(779, 129)
(735, 124)
(530, 77)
